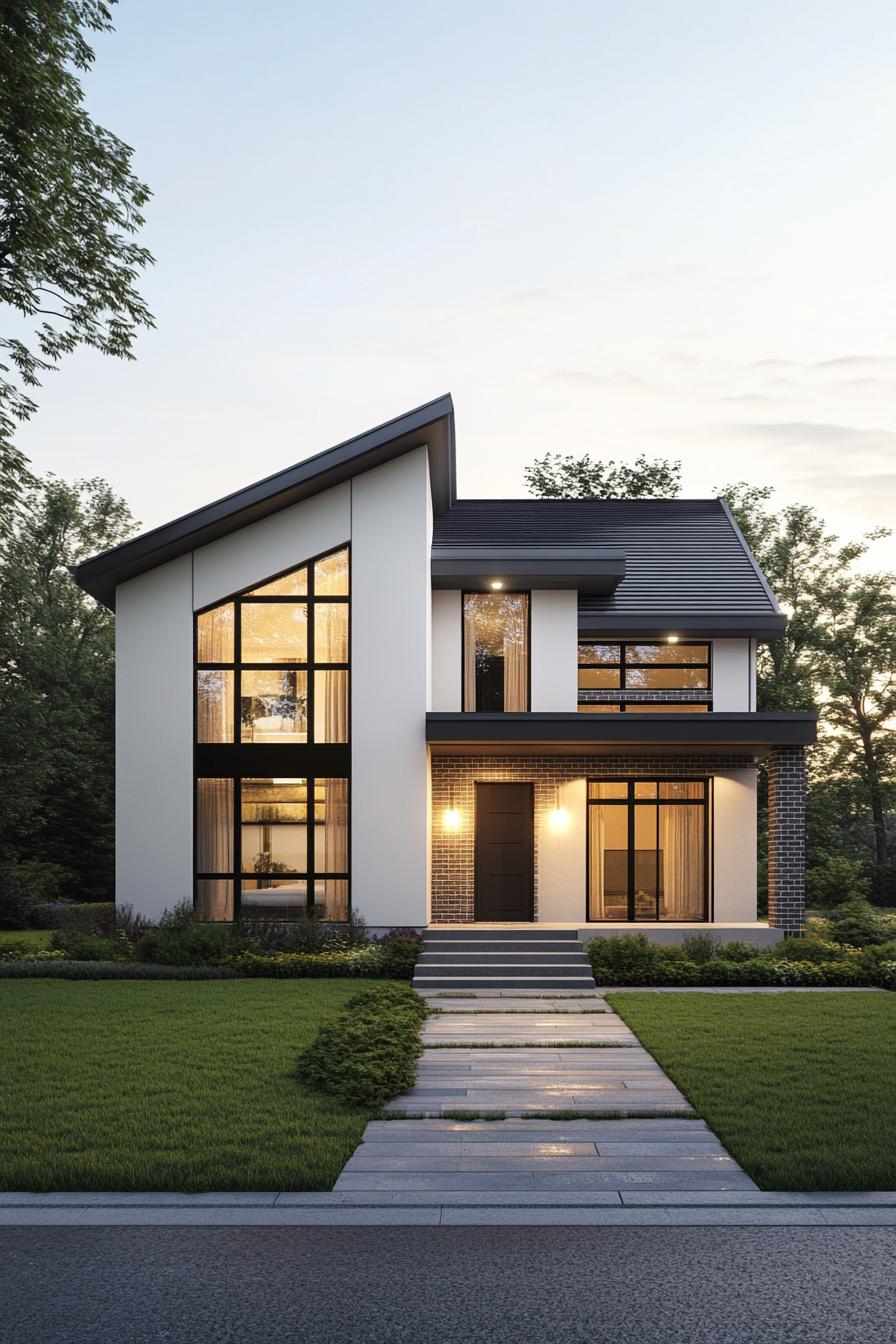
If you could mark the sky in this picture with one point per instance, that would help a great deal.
(655, 227)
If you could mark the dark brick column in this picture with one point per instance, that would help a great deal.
(787, 839)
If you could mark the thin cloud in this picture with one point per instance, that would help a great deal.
(582, 378)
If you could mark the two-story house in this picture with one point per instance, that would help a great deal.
(344, 687)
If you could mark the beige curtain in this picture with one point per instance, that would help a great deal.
(597, 841)
(516, 656)
(681, 843)
(215, 898)
(214, 706)
(214, 635)
(214, 825)
(331, 706)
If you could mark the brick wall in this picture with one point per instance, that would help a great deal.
(787, 839)
(453, 780)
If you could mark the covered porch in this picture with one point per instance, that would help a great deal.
(605, 826)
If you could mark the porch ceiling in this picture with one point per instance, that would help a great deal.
(587, 733)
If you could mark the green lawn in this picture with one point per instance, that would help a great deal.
(31, 938)
(167, 1086)
(801, 1088)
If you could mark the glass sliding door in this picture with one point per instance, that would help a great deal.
(647, 850)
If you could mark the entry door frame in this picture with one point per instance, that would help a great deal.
(529, 917)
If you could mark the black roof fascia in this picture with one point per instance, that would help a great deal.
(697, 625)
(589, 569)
(693, 730)
(431, 425)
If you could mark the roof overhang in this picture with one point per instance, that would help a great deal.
(764, 626)
(750, 733)
(588, 569)
(431, 425)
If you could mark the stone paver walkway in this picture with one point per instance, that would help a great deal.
(526, 1058)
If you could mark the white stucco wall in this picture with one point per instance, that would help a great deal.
(154, 738)
(733, 675)
(447, 636)
(271, 545)
(734, 847)
(391, 531)
(554, 651)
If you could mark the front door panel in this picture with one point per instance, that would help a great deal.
(505, 849)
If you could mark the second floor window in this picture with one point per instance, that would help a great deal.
(496, 652)
(649, 677)
(272, 665)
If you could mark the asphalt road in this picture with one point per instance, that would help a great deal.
(422, 1285)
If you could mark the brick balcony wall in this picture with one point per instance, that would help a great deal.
(787, 839)
(453, 781)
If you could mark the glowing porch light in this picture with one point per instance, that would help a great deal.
(451, 819)
(558, 817)
(671, 639)
(496, 585)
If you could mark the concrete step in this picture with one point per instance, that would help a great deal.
(525, 966)
(502, 945)
(491, 931)
(428, 958)
(538, 982)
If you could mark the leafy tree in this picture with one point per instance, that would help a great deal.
(856, 651)
(559, 476)
(837, 656)
(69, 205)
(57, 710)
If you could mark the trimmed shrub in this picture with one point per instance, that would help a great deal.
(361, 961)
(858, 923)
(92, 946)
(699, 947)
(195, 945)
(629, 959)
(28, 952)
(400, 955)
(109, 970)
(808, 949)
(368, 1054)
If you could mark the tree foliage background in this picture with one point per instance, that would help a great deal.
(70, 207)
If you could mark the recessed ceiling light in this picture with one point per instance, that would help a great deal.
(496, 584)
(672, 639)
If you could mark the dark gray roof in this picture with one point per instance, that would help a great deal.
(432, 424)
(687, 566)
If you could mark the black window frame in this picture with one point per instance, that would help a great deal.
(238, 760)
(501, 592)
(237, 875)
(623, 696)
(629, 802)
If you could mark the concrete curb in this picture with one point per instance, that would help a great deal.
(325, 1209)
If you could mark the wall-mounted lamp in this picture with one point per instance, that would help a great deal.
(558, 817)
(451, 816)
(496, 585)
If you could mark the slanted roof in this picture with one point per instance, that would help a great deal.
(431, 424)
(688, 569)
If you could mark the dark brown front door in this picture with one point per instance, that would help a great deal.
(505, 883)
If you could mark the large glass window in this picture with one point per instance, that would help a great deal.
(272, 671)
(289, 851)
(496, 652)
(272, 665)
(647, 850)
(650, 668)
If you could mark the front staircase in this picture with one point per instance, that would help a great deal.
(499, 958)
